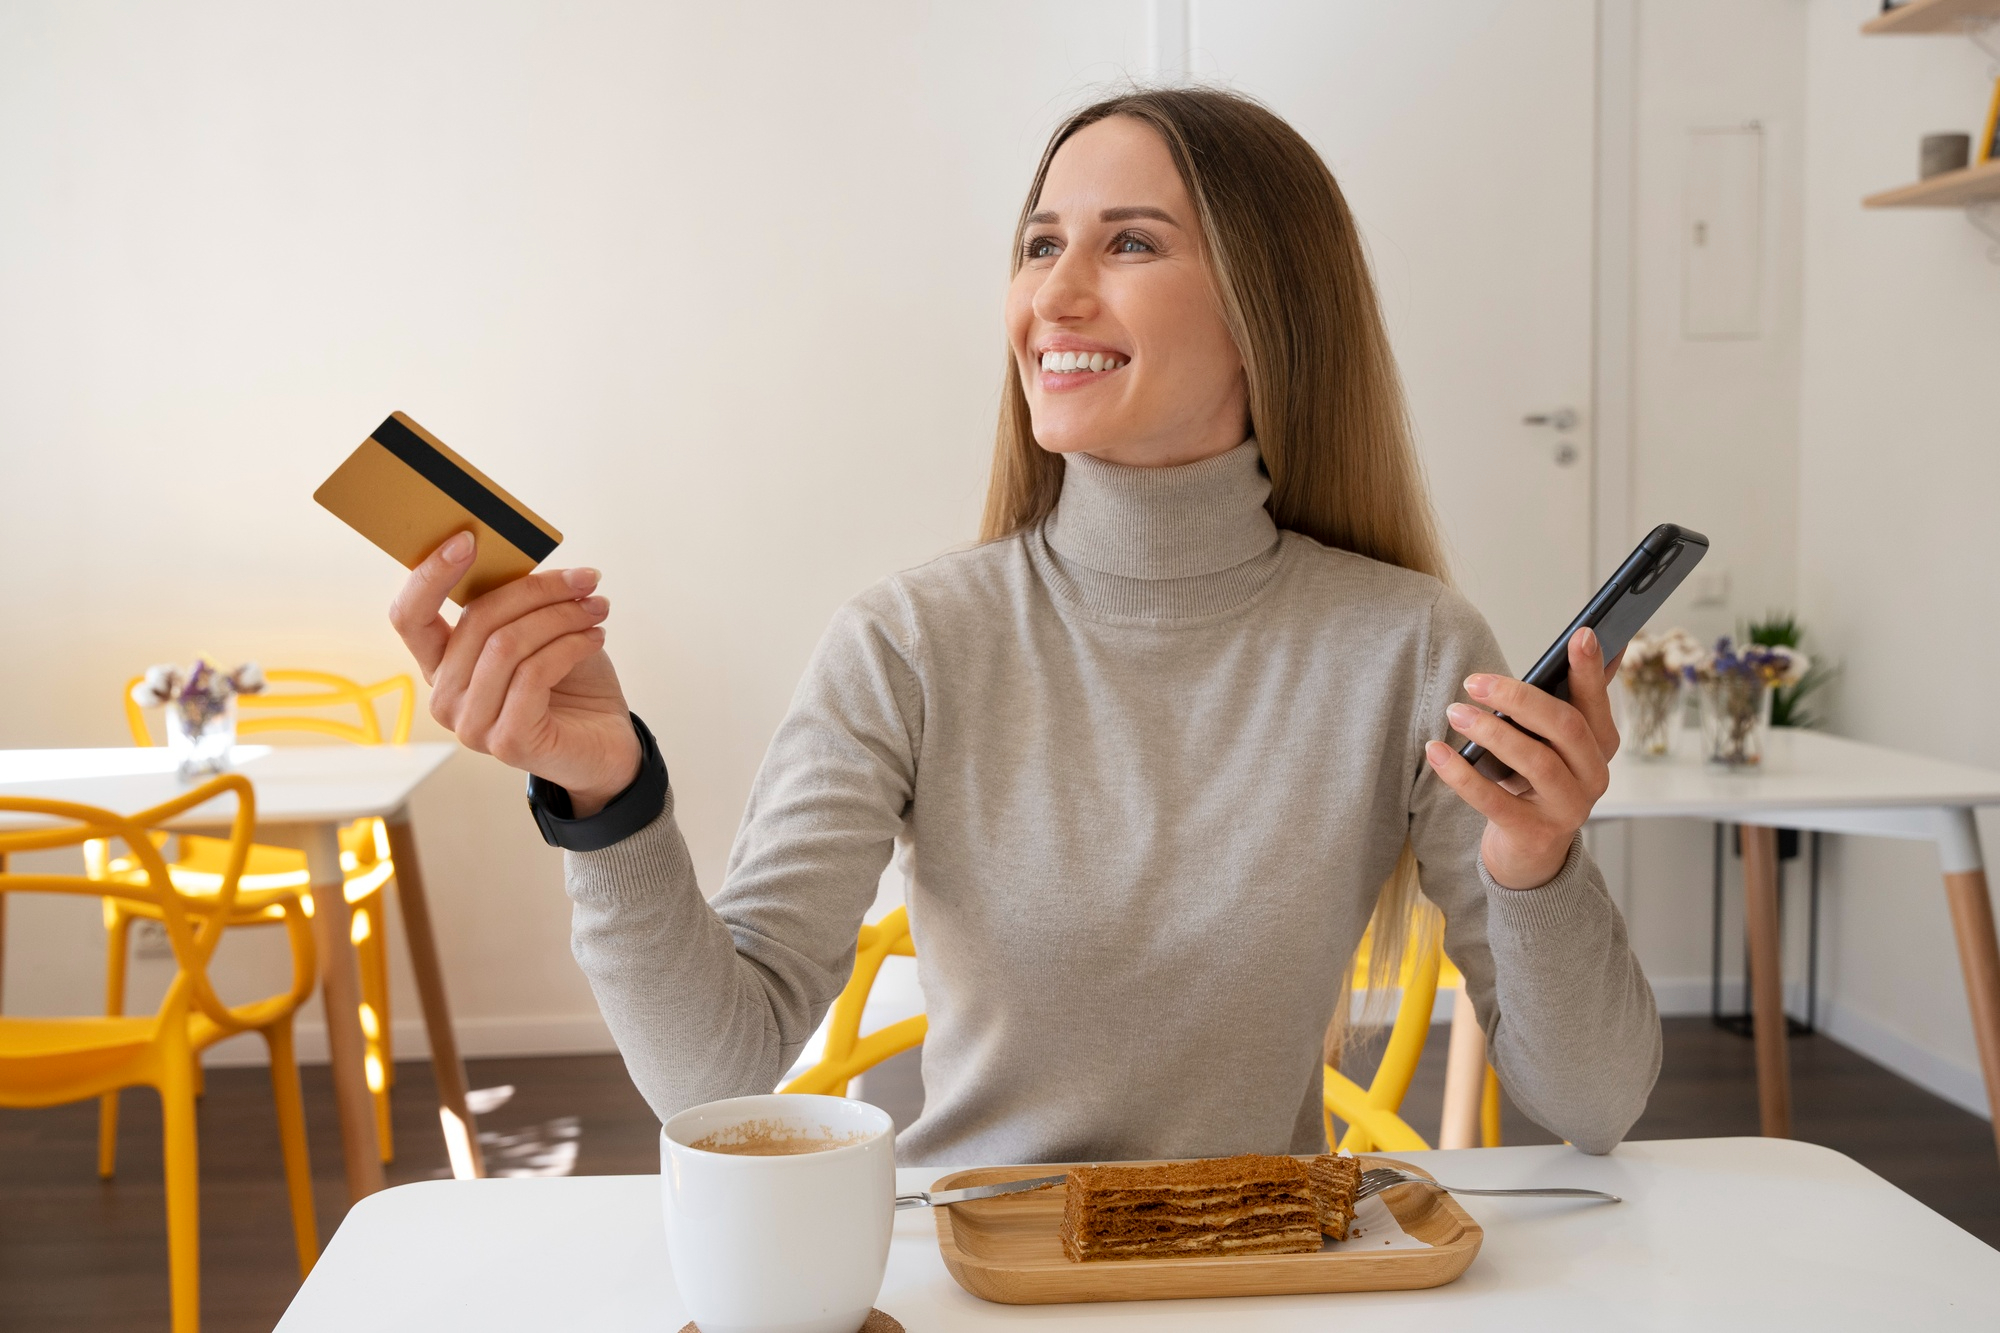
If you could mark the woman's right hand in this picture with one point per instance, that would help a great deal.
(523, 675)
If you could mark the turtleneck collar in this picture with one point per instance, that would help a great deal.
(1160, 545)
(1163, 522)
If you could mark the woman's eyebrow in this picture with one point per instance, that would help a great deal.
(1133, 211)
(1125, 214)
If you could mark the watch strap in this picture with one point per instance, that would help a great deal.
(625, 814)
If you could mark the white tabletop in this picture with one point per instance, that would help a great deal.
(1802, 770)
(296, 784)
(1715, 1233)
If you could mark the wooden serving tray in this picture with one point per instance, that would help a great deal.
(1007, 1250)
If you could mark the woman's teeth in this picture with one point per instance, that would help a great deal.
(1061, 362)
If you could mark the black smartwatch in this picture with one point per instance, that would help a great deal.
(628, 812)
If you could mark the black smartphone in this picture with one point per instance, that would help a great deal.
(1620, 609)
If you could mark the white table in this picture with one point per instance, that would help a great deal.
(1717, 1234)
(1813, 781)
(304, 795)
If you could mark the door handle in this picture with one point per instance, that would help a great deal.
(1562, 418)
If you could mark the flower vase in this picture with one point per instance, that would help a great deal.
(1655, 710)
(1735, 714)
(200, 733)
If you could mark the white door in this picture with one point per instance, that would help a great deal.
(1462, 136)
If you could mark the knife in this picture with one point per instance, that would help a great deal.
(943, 1197)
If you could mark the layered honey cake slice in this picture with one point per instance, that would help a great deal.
(1334, 1181)
(1251, 1204)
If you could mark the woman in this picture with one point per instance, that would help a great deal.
(1150, 752)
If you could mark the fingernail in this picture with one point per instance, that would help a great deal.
(1435, 752)
(582, 580)
(595, 606)
(459, 549)
(1462, 715)
(1479, 686)
(1587, 639)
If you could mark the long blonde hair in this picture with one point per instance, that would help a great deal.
(1326, 404)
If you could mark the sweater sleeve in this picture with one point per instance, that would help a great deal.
(1570, 1021)
(710, 1000)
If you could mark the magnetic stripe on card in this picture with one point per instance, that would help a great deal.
(453, 480)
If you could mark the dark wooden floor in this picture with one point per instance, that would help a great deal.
(80, 1254)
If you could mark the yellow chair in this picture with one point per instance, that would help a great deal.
(364, 859)
(1371, 1113)
(848, 1053)
(49, 1061)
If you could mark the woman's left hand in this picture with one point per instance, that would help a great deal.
(1529, 830)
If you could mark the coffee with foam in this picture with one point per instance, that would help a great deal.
(774, 1138)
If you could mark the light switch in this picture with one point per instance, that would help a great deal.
(1708, 587)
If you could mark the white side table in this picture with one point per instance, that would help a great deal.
(304, 795)
(1817, 782)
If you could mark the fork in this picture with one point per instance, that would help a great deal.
(1376, 1179)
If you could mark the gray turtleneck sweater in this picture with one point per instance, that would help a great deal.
(1146, 765)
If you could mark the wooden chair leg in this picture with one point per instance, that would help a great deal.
(1489, 1110)
(1464, 1076)
(291, 1107)
(118, 932)
(183, 1191)
(460, 1129)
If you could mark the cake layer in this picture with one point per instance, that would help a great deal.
(1294, 1240)
(1240, 1172)
(1252, 1203)
(1242, 1219)
(1334, 1181)
(1195, 1203)
(1201, 1235)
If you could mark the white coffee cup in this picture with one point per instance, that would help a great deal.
(793, 1243)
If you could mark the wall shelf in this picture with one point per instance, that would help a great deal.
(1933, 16)
(1951, 189)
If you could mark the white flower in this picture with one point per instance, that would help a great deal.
(248, 678)
(157, 687)
(1666, 653)
(1680, 649)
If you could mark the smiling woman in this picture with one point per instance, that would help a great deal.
(1210, 229)
(1119, 342)
(1150, 752)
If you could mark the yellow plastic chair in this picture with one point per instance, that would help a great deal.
(848, 1053)
(49, 1061)
(364, 859)
(1371, 1113)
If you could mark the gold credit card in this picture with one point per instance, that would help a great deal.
(407, 493)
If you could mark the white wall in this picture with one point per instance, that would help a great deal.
(1714, 423)
(1844, 462)
(1898, 476)
(718, 293)
(715, 290)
